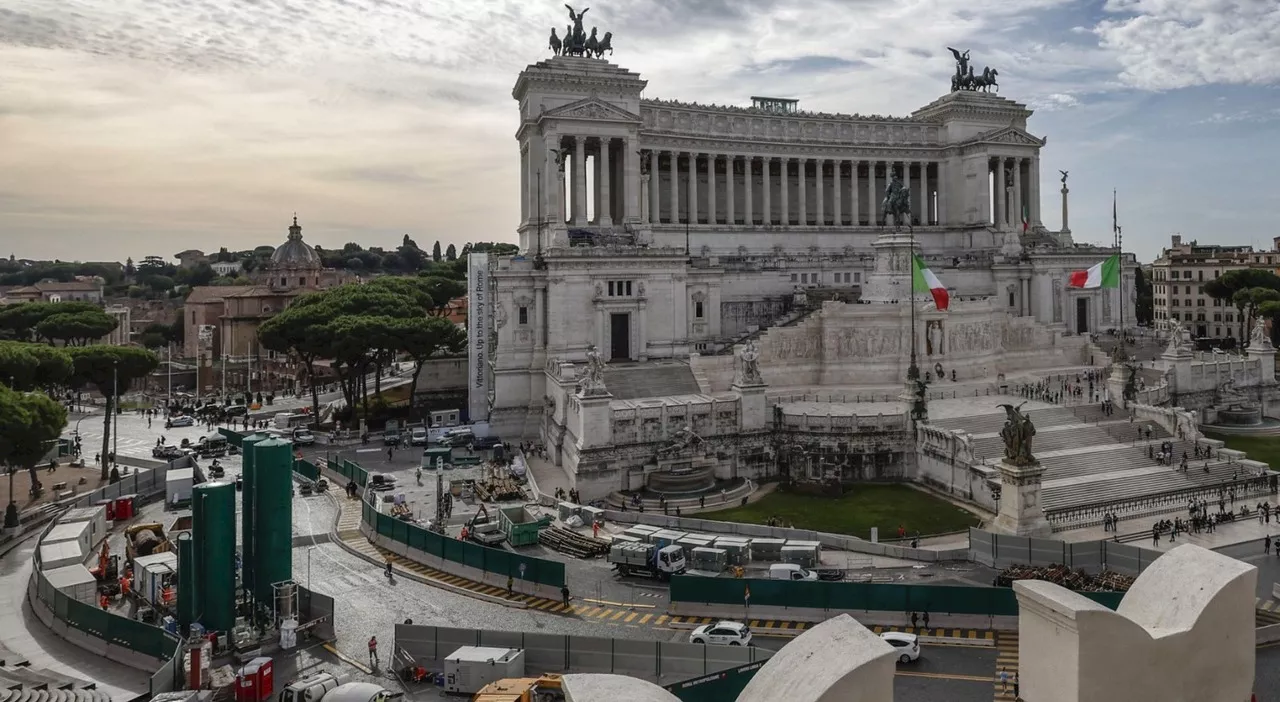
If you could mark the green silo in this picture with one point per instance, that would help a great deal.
(213, 528)
(188, 581)
(248, 461)
(272, 504)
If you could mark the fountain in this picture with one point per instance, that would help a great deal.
(1233, 413)
(683, 467)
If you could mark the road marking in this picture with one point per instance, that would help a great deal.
(661, 618)
(645, 619)
(631, 616)
(944, 676)
(368, 450)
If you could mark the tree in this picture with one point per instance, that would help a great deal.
(27, 366)
(28, 422)
(435, 252)
(423, 338)
(442, 290)
(19, 321)
(298, 331)
(78, 328)
(451, 253)
(110, 370)
(1225, 287)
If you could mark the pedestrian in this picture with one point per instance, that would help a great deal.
(1004, 680)
(373, 651)
(925, 619)
(1266, 545)
(388, 566)
(702, 501)
(1016, 696)
(390, 451)
(564, 595)
(510, 584)
(914, 619)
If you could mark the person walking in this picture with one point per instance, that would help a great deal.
(510, 584)
(1266, 545)
(1004, 680)
(914, 618)
(564, 595)
(373, 646)
(1016, 696)
(388, 567)
(925, 619)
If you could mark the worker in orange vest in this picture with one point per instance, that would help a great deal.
(103, 601)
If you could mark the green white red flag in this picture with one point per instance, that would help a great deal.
(1102, 275)
(923, 280)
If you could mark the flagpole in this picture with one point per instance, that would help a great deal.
(1119, 244)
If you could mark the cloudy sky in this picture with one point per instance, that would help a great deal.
(132, 127)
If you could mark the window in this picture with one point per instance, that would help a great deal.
(193, 316)
(1200, 302)
(1217, 316)
(857, 277)
(283, 280)
(793, 277)
(522, 314)
(1011, 299)
(1199, 275)
(1215, 274)
(1186, 303)
(1174, 302)
(1199, 289)
(620, 288)
(697, 309)
(1230, 318)
(302, 280)
(1200, 317)
(1186, 275)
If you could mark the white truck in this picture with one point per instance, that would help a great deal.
(647, 560)
(327, 687)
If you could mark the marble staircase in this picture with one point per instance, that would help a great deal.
(633, 381)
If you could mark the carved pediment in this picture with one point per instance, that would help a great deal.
(591, 109)
(1006, 135)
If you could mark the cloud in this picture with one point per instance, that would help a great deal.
(1169, 44)
(1243, 116)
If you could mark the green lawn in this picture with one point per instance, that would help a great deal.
(854, 513)
(1258, 448)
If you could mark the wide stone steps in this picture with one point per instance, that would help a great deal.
(993, 423)
(1137, 485)
(1093, 413)
(634, 381)
(1106, 459)
(1045, 441)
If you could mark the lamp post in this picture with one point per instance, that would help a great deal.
(309, 550)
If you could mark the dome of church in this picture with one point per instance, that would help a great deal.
(294, 252)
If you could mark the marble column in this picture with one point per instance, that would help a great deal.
(819, 187)
(930, 194)
(1017, 194)
(579, 181)
(604, 186)
(873, 203)
(655, 194)
(693, 188)
(803, 198)
(711, 188)
(730, 176)
(766, 165)
(748, 185)
(1000, 196)
(836, 195)
(853, 194)
(674, 169)
(539, 301)
(943, 173)
(631, 197)
(552, 208)
(593, 215)
(920, 190)
(1035, 192)
(784, 190)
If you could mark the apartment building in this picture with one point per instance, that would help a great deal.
(1178, 278)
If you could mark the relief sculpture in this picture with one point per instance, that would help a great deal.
(1057, 301)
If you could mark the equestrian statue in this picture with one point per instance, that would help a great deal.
(965, 79)
(576, 42)
(897, 202)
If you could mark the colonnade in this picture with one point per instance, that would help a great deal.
(701, 188)
(1016, 192)
(614, 191)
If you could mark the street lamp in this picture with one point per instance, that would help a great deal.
(309, 550)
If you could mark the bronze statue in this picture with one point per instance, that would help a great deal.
(897, 201)
(1017, 433)
(1064, 177)
(554, 43)
(606, 44)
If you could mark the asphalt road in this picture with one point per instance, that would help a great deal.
(1268, 565)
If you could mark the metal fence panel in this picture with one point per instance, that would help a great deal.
(981, 547)
(632, 657)
(591, 654)
(1086, 555)
(1046, 552)
(545, 652)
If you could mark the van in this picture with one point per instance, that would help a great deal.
(458, 436)
(790, 571)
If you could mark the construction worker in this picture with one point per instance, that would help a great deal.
(373, 647)
(388, 566)
(564, 595)
(104, 602)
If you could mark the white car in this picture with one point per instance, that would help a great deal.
(724, 633)
(418, 437)
(184, 420)
(907, 646)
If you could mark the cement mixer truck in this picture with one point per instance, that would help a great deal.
(327, 687)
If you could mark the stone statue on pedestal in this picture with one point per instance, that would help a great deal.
(680, 441)
(1017, 433)
(1258, 339)
(897, 202)
(1175, 337)
(748, 365)
(591, 381)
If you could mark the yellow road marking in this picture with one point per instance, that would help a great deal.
(631, 616)
(618, 616)
(661, 618)
(645, 619)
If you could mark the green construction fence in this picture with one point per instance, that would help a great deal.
(866, 597)
(306, 469)
(234, 438)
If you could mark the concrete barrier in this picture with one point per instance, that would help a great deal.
(815, 615)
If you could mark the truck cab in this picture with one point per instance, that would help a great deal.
(670, 560)
(790, 571)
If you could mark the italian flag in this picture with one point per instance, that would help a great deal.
(1102, 275)
(1026, 219)
(923, 280)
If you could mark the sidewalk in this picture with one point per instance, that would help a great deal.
(24, 634)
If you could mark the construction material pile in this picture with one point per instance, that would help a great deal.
(1078, 580)
(497, 487)
(572, 543)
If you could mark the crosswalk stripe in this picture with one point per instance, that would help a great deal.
(801, 625)
(631, 616)
(618, 616)
(675, 620)
(755, 624)
(645, 619)
(660, 620)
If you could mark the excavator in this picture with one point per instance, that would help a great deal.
(107, 572)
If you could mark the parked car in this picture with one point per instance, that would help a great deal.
(382, 481)
(184, 420)
(907, 646)
(236, 411)
(167, 452)
(302, 437)
(458, 436)
(724, 633)
(418, 437)
(484, 443)
(790, 571)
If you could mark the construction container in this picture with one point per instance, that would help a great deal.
(437, 457)
(96, 516)
(738, 551)
(591, 515)
(625, 538)
(568, 509)
(75, 532)
(76, 582)
(213, 530)
(714, 560)
(815, 545)
(803, 556)
(692, 541)
(272, 504)
(155, 578)
(178, 483)
(470, 668)
(641, 531)
(188, 582)
(110, 506)
(248, 517)
(125, 507)
(60, 555)
(519, 525)
(767, 550)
